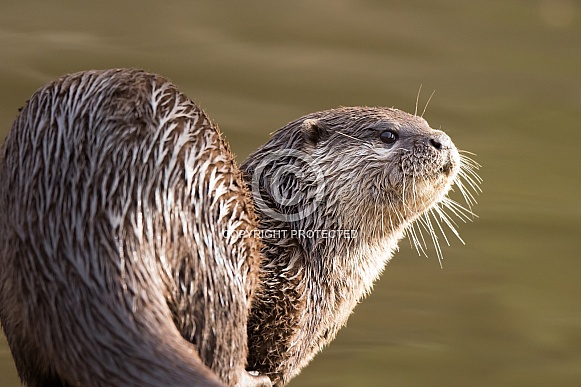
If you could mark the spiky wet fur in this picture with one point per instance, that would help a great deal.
(116, 194)
(355, 182)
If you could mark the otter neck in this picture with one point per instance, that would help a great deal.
(342, 271)
(328, 277)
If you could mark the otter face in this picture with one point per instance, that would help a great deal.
(368, 168)
(420, 163)
(385, 157)
(390, 168)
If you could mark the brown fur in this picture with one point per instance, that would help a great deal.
(116, 191)
(126, 232)
(335, 173)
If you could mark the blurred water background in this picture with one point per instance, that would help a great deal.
(505, 310)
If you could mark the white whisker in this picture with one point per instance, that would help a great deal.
(427, 103)
(417, 101)
(460, 211)
(351, 137)
(427, 223)
(449, 222)
(467, 195)
(444, 213)
(437, 210)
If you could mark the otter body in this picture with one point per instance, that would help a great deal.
(335, 191)
(127, 247)
(116, 191)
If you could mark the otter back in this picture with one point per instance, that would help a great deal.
(118, 199)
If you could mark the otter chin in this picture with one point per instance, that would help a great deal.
(377, 172)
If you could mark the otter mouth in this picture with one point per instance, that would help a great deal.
(447, 168)
(429, 175)
(431, 169)
(427, 163)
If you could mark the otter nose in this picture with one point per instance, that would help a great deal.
(435, 143)
(440, 140)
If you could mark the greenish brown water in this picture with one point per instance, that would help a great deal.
(505, 310)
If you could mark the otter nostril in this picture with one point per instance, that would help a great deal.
(435, 143)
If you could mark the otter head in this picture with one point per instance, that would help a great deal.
(374, 170)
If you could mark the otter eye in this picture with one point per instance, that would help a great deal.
(388, 137)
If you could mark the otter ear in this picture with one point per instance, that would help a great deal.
(314, 131)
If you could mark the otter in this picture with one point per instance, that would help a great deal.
(335, 191)
(134, 251)
(115, 192)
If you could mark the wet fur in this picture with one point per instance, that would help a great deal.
(311, 285)
(116, 193)
(126, 240)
